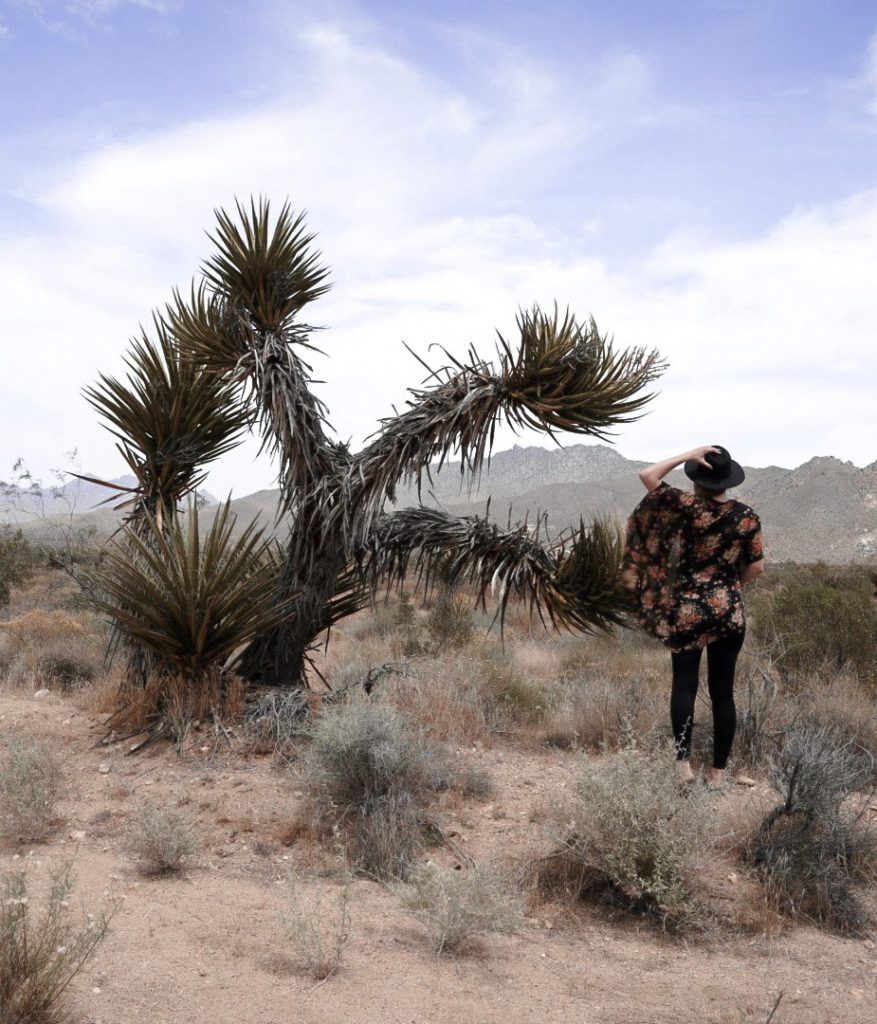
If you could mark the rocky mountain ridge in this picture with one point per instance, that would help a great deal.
(824, 509)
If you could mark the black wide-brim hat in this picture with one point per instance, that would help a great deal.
(725, 472)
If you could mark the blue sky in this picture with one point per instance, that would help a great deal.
(700, 176)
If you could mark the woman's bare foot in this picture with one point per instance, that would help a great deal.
(716, 778)
(684, 772)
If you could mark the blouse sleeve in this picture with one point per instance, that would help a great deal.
(752, 543)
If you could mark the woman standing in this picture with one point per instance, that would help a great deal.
(687, 556)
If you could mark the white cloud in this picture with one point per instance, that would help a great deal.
(424, 196)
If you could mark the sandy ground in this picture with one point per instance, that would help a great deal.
(209, 947)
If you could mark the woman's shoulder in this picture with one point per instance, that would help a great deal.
(745, 514)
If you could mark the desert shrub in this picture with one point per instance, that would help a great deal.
(456, 906)
(475, 783)
(160, 838)
(40, 956)
(360, 751)
(277, 720)
(318, 930)
(32, 781)
(370, 768)
(449, 623)
(813, 849)
(633, 836)
(18, 558)
(52, 648)
(819, 616)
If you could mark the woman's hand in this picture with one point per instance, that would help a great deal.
(699, 454)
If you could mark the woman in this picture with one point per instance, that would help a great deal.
(687, 556)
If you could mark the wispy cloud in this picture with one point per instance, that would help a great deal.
(62, 15)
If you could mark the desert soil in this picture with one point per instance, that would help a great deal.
(208, 946)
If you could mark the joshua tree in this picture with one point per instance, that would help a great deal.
(241, 328)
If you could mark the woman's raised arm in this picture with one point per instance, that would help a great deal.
(652, 475)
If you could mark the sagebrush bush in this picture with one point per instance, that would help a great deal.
(814, 850)
(361, 751)
(634, 836)
(456, 906)
(32, 780)
(818, 616)
(161, 838)
(373, 771)
(318, 930)
(40, 956)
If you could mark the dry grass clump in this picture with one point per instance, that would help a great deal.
(633, 837)
(40, 956)
(372, 771)
(55, 649)
(32, 780)
(318, 929)
(170, 704)
(596, 713)
(457, 906)
(815, 849)
(161, 838)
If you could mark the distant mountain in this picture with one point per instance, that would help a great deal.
(824, 509)
(79, 498)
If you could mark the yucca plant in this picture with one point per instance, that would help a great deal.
(241, 326)
(194, 599)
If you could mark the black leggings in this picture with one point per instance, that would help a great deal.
(721, 658)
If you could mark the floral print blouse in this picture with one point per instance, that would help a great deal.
(683, 564)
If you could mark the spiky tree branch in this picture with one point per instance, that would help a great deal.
(575, 581)
(560, 376)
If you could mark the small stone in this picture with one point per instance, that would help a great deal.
(96, 990)
(869, 943)
(77, 836)
(39, 694)
(104, 769)
(744, 780)
(204, 750)
(732, 877)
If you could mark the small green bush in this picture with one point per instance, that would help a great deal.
(456, 906)
(633, 836)
(39, 957)
(161, 839)
(32, 781)
(817, 617)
